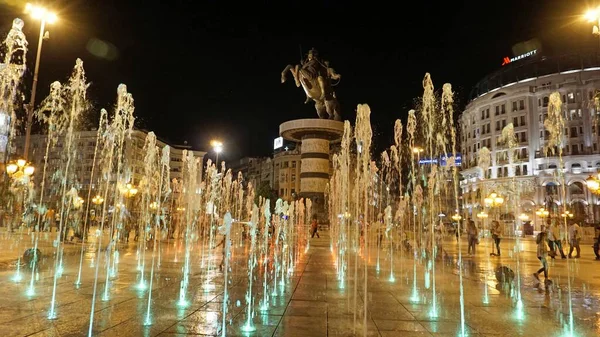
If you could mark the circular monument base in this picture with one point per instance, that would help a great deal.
(315, 136)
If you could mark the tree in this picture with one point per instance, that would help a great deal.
(264, 190)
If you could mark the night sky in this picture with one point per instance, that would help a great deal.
(211, 69)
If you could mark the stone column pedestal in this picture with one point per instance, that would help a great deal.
(315, 137)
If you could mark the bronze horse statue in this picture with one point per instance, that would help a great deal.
(315, 78)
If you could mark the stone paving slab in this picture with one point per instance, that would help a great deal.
(312, 303)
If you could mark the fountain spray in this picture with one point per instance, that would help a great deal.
(448, 101)
(189, 178)
(555, 124)
(122, 120)
(249, 325)
(417, 197)
(396, 153)
(161, 196)
(265, 259)
(226, 230)
(509, 140)
(364, 174)
(101, 129)
(279, 212)
(122, 127)
(75, 92)
(484, 162)
(12, 69)
(149, 185)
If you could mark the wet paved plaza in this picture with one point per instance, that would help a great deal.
(313, 302)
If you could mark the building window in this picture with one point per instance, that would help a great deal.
(522, 104)
(487, 113)
(497, 110)
(523, 121)
(294, 164)
(482, 114)
(570, 98)
(574, 149)
(573, 132)
(503, 109)
(293, 177)
(546, 101)
(524, 169)
(514, 106)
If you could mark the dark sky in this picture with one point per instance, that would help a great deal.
(211, 69)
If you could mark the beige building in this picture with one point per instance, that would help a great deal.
(519, 94)
(287, 174)
(85, 142)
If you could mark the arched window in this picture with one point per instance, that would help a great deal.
(576, 188)
(551, 189)
(579, 211)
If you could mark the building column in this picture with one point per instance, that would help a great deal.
(314, 172)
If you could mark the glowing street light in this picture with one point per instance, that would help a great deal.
(129, 190)
(567, 214)
(456, 217)
(19, 169)
(417, 150)
(45, 16)
(482, 215)
(542, 212)
(523, 217)
(593, 184)
(97, 200)
(493, 200)
(218, 148)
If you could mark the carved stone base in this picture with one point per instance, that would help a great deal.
(315, 137)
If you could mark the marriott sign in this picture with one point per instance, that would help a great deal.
(508, 60)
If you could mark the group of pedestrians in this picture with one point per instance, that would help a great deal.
(549, 242)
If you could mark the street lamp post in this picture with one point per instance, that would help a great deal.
(97, 200)
(593, 15)
(593, 184)
(218, 148)
(542, 213)
(45, 16)
(482, 216)
(494, 200)
(20, 170)
(129, 191)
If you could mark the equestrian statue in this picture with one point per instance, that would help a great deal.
(315, 76)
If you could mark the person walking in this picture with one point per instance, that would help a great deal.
(597, 241)
(496, 235)
(472, 235)
(223, 251)
(542, 253)
(574, 238)
(314, 227)
(555, 240)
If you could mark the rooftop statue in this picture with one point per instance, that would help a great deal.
(315, 76)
